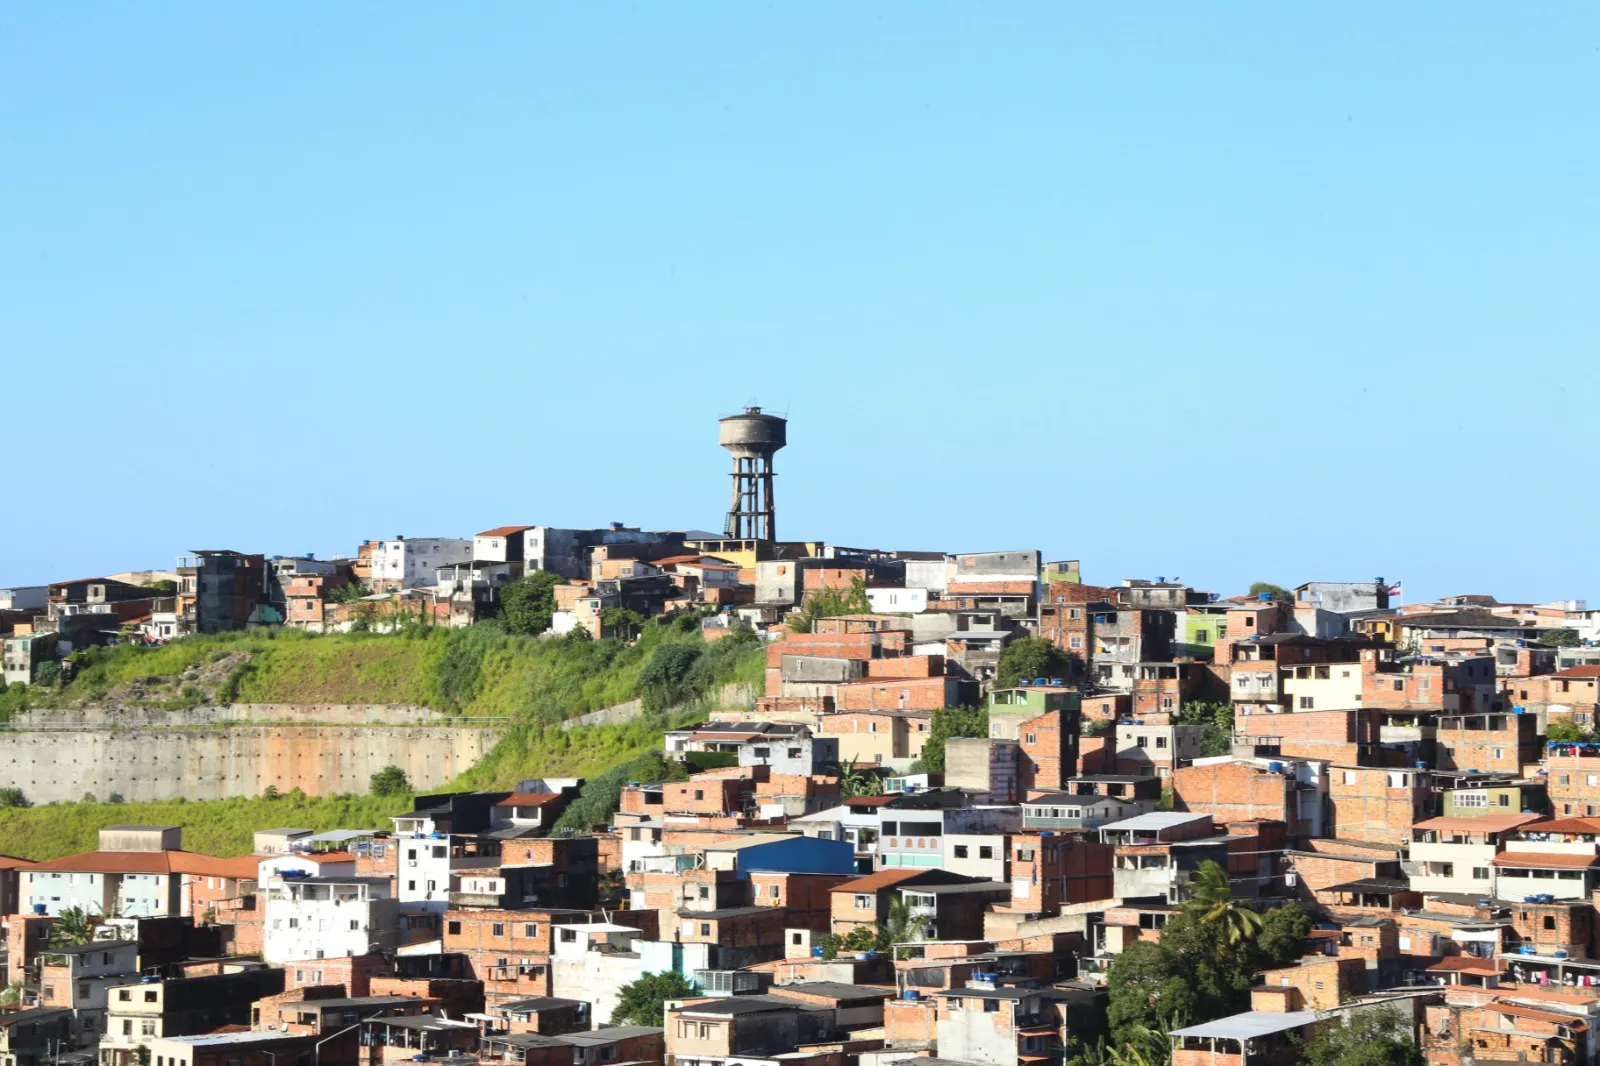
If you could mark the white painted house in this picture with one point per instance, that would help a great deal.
(409, 563)
(327, 917)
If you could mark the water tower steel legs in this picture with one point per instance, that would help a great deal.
(752, 514)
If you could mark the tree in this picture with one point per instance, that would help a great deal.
(13, 797)
(390, 781)
(1211, 896)
(1281, 938)
(1561, 638)
(949, 722)
(528, 604)
(862, 938)
(620, 622)
(903, 926)
(1370, 1036)
(72, 928)
(165, 587)
(856, 780)
(1278, 593)
(1563, 731)
(1215, 720)
(349, 593)
(831, 603)
(642, 1002)
(1029, 657)
(664, 681)
(47, 673)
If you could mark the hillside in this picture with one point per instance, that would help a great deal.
(478, 671)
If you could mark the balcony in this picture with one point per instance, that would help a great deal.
(730, 982)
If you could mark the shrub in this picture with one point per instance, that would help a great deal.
(390, 781)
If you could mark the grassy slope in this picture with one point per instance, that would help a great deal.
(220, 827)
(479, 672)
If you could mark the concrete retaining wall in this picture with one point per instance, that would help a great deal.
(125, 717)
(730, 696)
(219, 763)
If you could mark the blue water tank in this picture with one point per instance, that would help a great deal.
(1561, 954)
(911, 993)
(1274, 767)
(816, 953)
(38, 908)
(1264, 597)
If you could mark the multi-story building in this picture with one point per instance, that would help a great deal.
(1457, 854)
(328, 917)
(79, 978)
(138, 872)
(139, 1012)
(408, 563)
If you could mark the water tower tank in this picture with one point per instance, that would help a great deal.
(753, 438)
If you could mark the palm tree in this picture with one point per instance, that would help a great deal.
(854, 780)
(72, 928)
(1212, 899)
(903, 925)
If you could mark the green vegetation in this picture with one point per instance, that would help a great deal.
(1561, 638)
(1202, 968)
(1565, 731)
(1029, 657)
(1278, 593)
(390, 781)
(220, 827)
(72, 928)
(949, 722)
(481, 670)
(602, 794)
(831, 603)
(1375, 1036)
(1216, 725)
(528, 604)
(643, 1001)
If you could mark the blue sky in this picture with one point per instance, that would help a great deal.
(1231, 292)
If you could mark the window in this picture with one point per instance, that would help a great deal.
(147, 1027)
(1143, 742)
(961, 851)
(699, 794)
(705, 928)
(1161, 742)
(797, 938)
(569, 936)
(985, 852)
(453, 928)
(1499, 753)
(1349, 777)
(1472, 799)
(794, 753)
(530, 929)
(863, 902)
(705, 893)
(1305, 703)
(1480, 873)
(1031, 739)
(150, 996)
(774, 891)
(1549, 921)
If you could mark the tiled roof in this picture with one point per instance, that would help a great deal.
(154, 862)
(881, 879)
(1579, 671)
(503, 531)
(528, 799)
(1537, 860)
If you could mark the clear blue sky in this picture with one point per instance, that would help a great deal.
(1225, 291)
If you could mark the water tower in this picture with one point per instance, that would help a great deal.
(753, 438)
